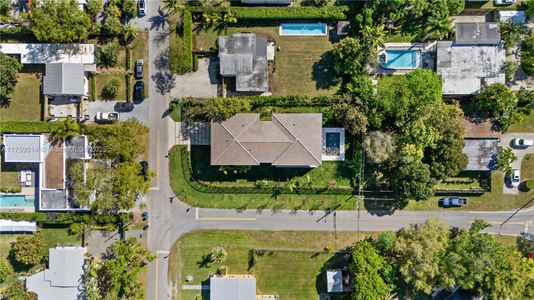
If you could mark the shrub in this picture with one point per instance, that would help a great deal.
(29, 249)
(278, 13)
(218, 254)
(181, 60)
(75, 229)
(108, 54)
(527, 55)
(111, 89)
(529, 184)
(4, 271)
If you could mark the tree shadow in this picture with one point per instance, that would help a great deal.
(162, 60)
(17, 266)
(165, 82)
(205, 262)
(159, 21)
(323, 72)
(161, 37)
(383, 205)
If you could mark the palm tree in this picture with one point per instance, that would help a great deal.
(511, 33)
(173, 6)
(373, 36)
(129, 32)
(439, 26)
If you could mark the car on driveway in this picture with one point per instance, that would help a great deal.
(124, 106)
(452, 202)
(106, 117)
(139, 69)
(515, 177)
(139, 89)
(504, 2)
(141, 8)
(522, 143)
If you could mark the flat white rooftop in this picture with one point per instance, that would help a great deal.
(23, 148)
(51, 53)
(465, 68)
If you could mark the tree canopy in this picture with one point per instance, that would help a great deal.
(29, 249)
(224, 108)
(59, 22)
(367, 268)
(9, 67)
(348, 112)
(349, 57)
(66, 130)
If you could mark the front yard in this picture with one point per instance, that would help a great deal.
(25, 104)
(302, 65)
(287, 263)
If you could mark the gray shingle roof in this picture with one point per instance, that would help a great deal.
(477, 33)
(287, 140)
(64, 79)
(244, 55)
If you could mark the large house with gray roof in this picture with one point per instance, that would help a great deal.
(64, 79)
(244, 56)
(287, 140)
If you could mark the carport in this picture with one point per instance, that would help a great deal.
(481, 153)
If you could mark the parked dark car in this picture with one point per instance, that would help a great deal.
(139, 69)
(124, 106)
(139, 89)
(144, 169)
(452, 202)
(141, 8)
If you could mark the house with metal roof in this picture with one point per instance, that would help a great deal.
(288, 140)
(235, 287)
(244, 56)
(64, 277)
(64, 79)
(476, 58)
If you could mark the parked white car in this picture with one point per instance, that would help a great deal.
(106, 117)
(504, 2)
(515, 177)
(522, 143)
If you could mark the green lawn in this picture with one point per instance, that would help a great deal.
(140, 51)
(303, 65)
(526, 125)
(9, 176)
(182, 188)
(101, 80)
(489, 5)
(53, 237)
(331, 172)
(25, 102)
(464, 181)
(292, 267)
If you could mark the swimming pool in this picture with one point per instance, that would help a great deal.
(16, 200)
(303, 29)
(400, 59)
(332, 142)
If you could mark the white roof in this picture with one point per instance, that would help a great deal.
(17, 226)
(231, 287)
(63, 277)
(51, 53)
(23, 148)
(334, 281)
(514, 16)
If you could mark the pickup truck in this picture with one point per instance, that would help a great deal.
(452, 202)
(106, 117)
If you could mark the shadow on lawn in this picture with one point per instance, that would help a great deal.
(323, 72)
(339, 260)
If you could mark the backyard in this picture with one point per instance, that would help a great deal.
(296, 256)
(52, 236)
(25, 104)
(302, 65)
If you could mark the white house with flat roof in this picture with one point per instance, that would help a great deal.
(64, 277)
(235, 287)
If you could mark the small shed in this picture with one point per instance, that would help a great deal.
(337, 281)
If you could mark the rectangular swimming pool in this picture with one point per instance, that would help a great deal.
(16, 200)
(303, 29)
(400, 59)
(333, 143)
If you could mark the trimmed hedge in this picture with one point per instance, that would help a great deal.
(66, 218)
(279, 13)
(283, 101)
(181, 59)
(23, 216)
(27, 126)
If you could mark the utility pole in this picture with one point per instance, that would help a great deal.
(515, 213)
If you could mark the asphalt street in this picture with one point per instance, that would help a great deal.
(169, 220)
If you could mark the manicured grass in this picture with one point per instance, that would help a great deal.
(59, 236)
(175, 110)
(291, 269)
(140, 51)
(399, 38)
(183, 189)
(25, 102)
(303, 65)
(526, 125)
(9, 176)
(101, 80)
(330, 172)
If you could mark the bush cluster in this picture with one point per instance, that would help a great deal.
(527, 55)
(278, 13)
(27, 126)
(181, 60)
(66, 218)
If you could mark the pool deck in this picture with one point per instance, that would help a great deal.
(425, 48)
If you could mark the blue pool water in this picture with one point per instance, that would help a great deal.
(16, 200)
(400, 59)
(305, 29)
(333, 142)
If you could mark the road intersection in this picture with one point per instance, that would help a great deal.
(169, 220)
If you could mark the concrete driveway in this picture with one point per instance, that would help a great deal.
(140, 111)
(506, 142)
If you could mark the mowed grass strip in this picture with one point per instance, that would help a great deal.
(290, 269)
(25, 101)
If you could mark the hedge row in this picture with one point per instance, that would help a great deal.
(66, 218)
(181, 59)
(27, 126)
(527, 55)
(283, 101)
(279, 13)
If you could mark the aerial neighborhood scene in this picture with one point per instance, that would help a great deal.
(266, 149)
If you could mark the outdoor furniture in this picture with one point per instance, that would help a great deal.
(28, 176)
(22, 177)
(28, 183)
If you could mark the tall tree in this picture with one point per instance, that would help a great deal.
(29, 249)
(419, 251)
(59, 22)
(348, 56)
(174, 6)
(127, 183)
(379, 146)
(413, 181)
(9, 67)
(366, 268)
(348, 111)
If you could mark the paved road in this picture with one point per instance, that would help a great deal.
(169, 220)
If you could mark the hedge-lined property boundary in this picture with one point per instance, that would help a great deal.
(181, 58)
(67, 218)
(27, 126)
(279, 13)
